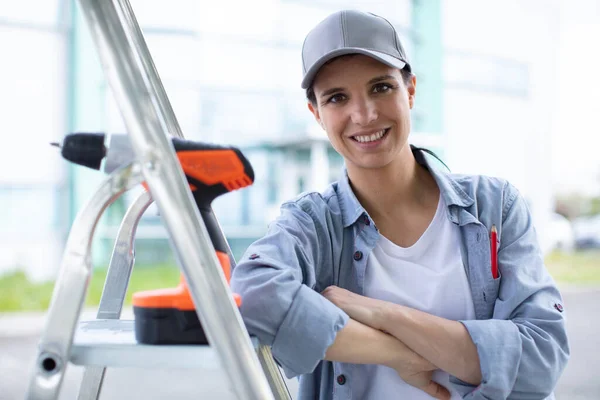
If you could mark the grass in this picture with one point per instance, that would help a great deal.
(578, 268)
(17, 293)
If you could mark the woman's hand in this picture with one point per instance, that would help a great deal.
(360, 308)
(422, 380)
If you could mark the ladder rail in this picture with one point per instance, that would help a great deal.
(113, 297)
(274, 376)
(126, 73)
(122, 260)
(71, 287)
(149, 69)
(273, 373)
(269, 366)
(115, 286)
(265, 356)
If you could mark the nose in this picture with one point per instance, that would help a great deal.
(363, 111)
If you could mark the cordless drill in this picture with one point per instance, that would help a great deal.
(168, 316)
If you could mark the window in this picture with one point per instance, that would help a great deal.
(32, 92)
(241, 117)
(486, 73)
(41, 12)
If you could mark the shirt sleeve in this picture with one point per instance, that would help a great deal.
(523, 349)
(275, 278)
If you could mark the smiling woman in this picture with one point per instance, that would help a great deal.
(364, 106)
(382, 286)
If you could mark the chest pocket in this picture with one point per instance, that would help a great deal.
(484, 286)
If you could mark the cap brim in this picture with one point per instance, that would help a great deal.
(382, 57)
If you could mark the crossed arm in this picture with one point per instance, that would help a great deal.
(423, 341)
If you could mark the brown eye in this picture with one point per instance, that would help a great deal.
(336, 98)
(382, 88)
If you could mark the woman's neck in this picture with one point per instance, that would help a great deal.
(402, 186)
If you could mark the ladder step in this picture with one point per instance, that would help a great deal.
(111, 343)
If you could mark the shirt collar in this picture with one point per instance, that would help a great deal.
(450, 189)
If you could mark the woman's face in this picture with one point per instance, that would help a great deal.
(364, 106)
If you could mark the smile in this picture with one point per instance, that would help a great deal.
(372, 137)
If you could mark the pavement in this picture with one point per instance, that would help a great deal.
(19, 334)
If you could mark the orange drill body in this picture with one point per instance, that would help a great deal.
(168, 316)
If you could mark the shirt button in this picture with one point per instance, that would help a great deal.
(367, 221)
(341, 379)
(358, 255)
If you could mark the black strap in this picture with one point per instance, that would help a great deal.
(433, 154)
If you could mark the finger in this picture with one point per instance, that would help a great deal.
(329, 289)
(437, 391)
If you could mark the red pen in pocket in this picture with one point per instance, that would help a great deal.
(494, 251)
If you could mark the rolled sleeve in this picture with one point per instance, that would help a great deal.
(276, 281)
(499, 348)
(523, 349)
(308, 329)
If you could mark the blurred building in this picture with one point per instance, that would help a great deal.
(500, 97)
(33, 99)
(232, 71)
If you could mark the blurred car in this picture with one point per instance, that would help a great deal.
(587, 232)
(561, 233)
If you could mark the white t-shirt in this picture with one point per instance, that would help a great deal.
(427, 276)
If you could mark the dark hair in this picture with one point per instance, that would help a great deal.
(406, 77)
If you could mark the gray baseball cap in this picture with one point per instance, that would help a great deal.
(351, 32)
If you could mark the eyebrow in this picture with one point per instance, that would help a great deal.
(381, 78)
(372, 81)
(331, 91)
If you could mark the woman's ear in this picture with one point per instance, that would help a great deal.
(412, 90)
(315, 112)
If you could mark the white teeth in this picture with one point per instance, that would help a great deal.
(370, 138)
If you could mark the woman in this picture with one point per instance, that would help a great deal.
(382, 286)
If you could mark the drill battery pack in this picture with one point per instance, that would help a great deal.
(168, 326)
(168, 316)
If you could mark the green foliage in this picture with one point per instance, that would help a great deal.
(594, 208)
(580, 268)
(17, 293)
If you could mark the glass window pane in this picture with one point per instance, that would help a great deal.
(481, 72)
(242, 117)
(176, 57)
(298, 18)
(255, 19)
(180, 14)
(32, 11)
(185, 101)
(33, 95)
(228, 208)
(23, 211)
(238, 65)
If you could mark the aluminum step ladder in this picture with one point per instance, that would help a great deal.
(109, 341)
